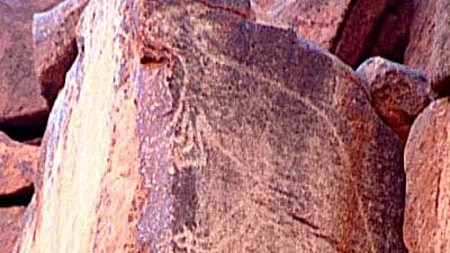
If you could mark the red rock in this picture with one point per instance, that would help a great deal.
(10, 227)
(390, 38)
(427, 229)
(318, 21)
(185, 127)
(20, 100)
(398, 93)
(357, 30)
(54, 44)
(429, 46)
(18, 163)
(350, 29)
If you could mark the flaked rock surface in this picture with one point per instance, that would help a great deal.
(398, 93)
(211, 134)
(427, 166)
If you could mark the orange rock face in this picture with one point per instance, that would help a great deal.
(185, 127)
(427, 167)
(18, 163)
(397, 93)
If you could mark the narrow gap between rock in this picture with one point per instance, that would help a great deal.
(21, 197)
(28, 128)
(30, 134)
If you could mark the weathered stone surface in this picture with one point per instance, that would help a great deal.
(211, 134)
(318, 21)
(356, 32)
(429, 46)
(349, 29)
(427, 166)
(20, 100)
(398, 93)
(18, 163)
(10, 227)
(54, 45)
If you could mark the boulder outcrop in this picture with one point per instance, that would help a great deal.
(398, 93)
(206, 132)
(427, 166)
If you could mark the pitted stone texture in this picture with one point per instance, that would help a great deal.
(429, 46)
(54, 45)
(427, 165)
(398, 93)
(10, 227)
(20, 100)
(18, 164)
(211, 134)
(317, 21)
(350, 29)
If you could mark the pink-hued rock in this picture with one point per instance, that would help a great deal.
(10, 227)
(398, 93)
(318, 21)
(54, 44)
(20, 99)
(429, 45)
(427, 165)
(350, 29)
(185, 127)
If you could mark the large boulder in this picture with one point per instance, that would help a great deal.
(185, 127)
(427, 166)
(398, 93)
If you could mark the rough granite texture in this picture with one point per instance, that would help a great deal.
(398, 93)
(20, 100)
(10, 227)
(211, 134)
(350, 29)
(427, 165)
(429, 45)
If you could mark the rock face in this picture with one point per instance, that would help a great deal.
(429, 46)
(318, 21)
(206, 132)
(17, 80)
(10, 227)
(54, 45)
(397, 93)
(427, 167)
(349, 29)
(21, 105)
(18, 162)
(17, 167)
